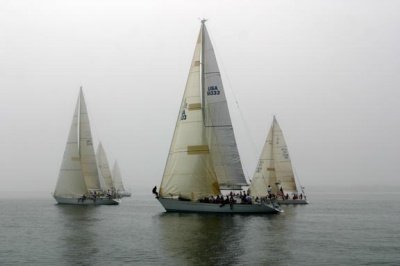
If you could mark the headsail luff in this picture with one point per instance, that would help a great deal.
(203, 154)
(70, 181)
(117, 178)
(274, 166)
(104, 167)
(87, 155)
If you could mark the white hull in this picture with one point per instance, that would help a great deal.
(292, 201)
(76, 201)
(174, 205)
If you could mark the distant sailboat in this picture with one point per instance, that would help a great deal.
(78, 180)
(203, 157)
(275, 169)
(104, 170)
(117, 179)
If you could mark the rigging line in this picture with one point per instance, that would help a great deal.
(247, 131)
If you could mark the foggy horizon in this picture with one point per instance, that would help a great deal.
(329, 71)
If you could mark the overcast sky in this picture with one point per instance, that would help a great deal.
(329, 70)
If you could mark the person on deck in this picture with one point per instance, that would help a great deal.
(269, 190)
(154, 191)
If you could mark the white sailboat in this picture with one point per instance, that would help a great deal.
(117, 179)
(203, 157)
(78, 180)
(275, 170)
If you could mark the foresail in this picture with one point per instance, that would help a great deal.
(282, 162)
(117, 178)
(265, 172)
(104, 167)
(220, 132)
(70, 181)
(87, 155)
(189, 172)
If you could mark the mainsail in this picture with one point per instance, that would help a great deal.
(104, 167)
(117, 178)
(78, 172)
(203, 155)
(274, 166)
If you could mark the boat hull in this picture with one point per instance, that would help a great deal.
(76, 201)
(292, 201)
(175, 205)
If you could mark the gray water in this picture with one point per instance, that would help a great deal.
(344, 228)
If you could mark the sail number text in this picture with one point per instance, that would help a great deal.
(213, 90)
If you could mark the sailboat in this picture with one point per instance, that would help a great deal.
(78, 180)
(117, 179)
(274, 173)
(203, 157)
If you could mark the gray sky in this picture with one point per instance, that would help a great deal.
(329, 70)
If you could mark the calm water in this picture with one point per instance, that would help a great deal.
(335, 229)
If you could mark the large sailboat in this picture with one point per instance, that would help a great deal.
(274, 173)
(78, 180)
(203, 157)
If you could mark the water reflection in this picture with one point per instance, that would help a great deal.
(210, 239)
(200, 239)
(77, 237)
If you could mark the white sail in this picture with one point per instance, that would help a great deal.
(189, 171)
(282, 163)
(70, 181)
(225, 154)
(117, 178)
(274, 166)
(203, 156)
(87, 155)
(104, 168)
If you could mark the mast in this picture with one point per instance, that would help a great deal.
(203, 21)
